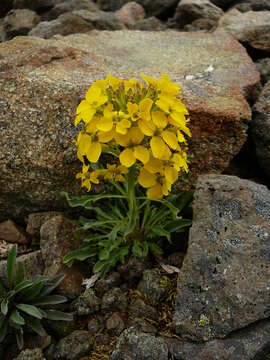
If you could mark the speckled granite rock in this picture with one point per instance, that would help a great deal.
(224, 281)
(260, 128)
(251, 28)
(252, 342)
(74, 346)
(42, 81)
(31, 354)
(56, 240)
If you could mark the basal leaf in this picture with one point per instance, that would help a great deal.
(17, 318)
(58, 315)
(30, 310)
(11, 262)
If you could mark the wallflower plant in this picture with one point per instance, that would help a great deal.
(25, 303)
(141, 129)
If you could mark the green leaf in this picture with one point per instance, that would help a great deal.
(3, 328)
(22, 286)
(86, 200)
(58, 315)
(184, 200)
(36, 326)
(11, 263)
(123, 252)
(104, 254)
(30, 293)
(4, 307)
(19, 274)
(176, 225)
(19, 338)
(50, 300)
(155, 248)
(17, 318)
(30, 310)
(99, 266)
(80, 254)
(52, 284)
(160, 231)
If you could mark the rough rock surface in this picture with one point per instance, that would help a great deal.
(150, 24)
(260, 128)
(252, 342)
(12, 233)
(71, 5)
(36, 220)
(87, 303)
(133, 344)
(251, 28)
(42, 82)
(79, 21)
(74, 346)
(189, 11)
(32, 264)
(253, 5)
(20, 22)
(263, 66)
(153, 285)
(224, 281)
(56, 240)
(130, 13)
(31, 354)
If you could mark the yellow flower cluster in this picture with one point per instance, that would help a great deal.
(142, 124)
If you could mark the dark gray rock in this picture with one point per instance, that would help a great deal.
(115, 324)
(106, 284)
(223, 4)
(132, 270)
(153, 285)
(95, 324)
(253, 5)
(74, 346)
(190, 12)
(87, 303)
(150, 24)
(260, 128)
(6, 5)
(32, 264)
(79, 21)
(252, 342)
(111, 5)
(251, 28)
(114, 299)
(157, 7)
(71, 5)
(223, 285)
(133, 344)
(31, 354)
(36, 5)
(20, 22)
(139, 309)
(263, 66)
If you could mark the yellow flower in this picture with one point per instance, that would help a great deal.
(114, 172)
(131, 141)
(87, 178)
(95, 97)
(158, 185)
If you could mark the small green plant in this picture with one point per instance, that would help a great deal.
(24, 303)
(126, 223)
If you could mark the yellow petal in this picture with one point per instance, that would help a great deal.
(94, 152)
(170, 138)
(155, 192)
(122, 126)
(142, 154)
(171, 174)
(166, 187)
(135, 135)
(86, 183)
(146, 127)
(180, 137)
(127, 158)
(120, 139)
(105, 136)
(83, 106)
(159, 119)
(146, 179)
(132, 108)
(159, 149)
(83, 145)
(94, 176)
(153, 165)
(105, 124)
(145, 107)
